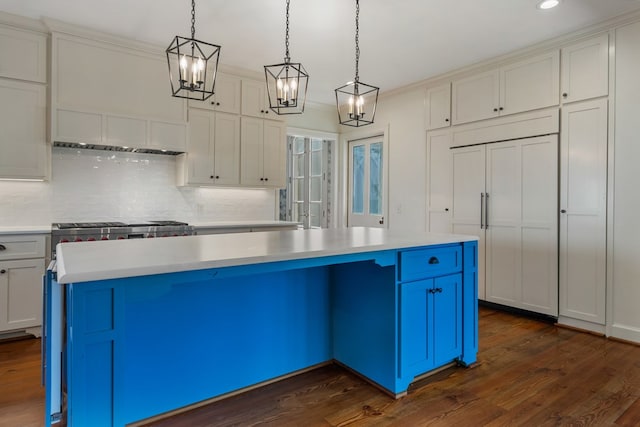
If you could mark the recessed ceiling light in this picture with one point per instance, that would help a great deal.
(548, 4)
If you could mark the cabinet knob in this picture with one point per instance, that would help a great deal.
(213, 103)
(495, 110)
(266, 111)
(217, 103)
(563, 211)
(3, 248)
(211, 177)
(261, 179)
(446, 209)
(501, 108)
(446, 120)
(217, 176)
(3, 271)
(266, 179)
(439, 290)
(262, 111)
(564, 95)
(434, 260)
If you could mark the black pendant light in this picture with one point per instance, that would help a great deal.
(286, 82)
(357, 101)
(193, 64)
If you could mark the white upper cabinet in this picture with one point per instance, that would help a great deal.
(530, 84)
(263, 153)
(23, 147)
(24, 153)
(111, 93)
(475, 97)
(227, 95)
(438, 107)
(213, 150)
(525, 85)
(23, 55)
(255, 101)
(585, 69)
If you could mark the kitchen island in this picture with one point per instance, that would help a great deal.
(143, 327)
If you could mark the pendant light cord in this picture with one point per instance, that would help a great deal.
(357, 36)
(193, 19)
(286, 38)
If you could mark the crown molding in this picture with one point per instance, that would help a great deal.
(22, 22)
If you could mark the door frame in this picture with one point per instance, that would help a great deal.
(343, 150)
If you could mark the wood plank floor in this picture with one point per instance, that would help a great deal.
(529, 373)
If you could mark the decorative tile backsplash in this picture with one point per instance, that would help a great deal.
(95, 185)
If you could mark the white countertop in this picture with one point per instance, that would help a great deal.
(86, 261)
(25, 229)
(242, 224)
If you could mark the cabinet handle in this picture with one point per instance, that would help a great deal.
(446, 209)
(3, 271)
(495, 110)
(500, 108)
(262, 111)
(439, 290)
(434, 260)
(486, 211)
(563, 211)
(446, 120)
(266, 111)
(564, 95)
(261, 179)
(266, 179)
(217, 176)
(211, 177)
(481, 211)
(3, 248)
(217, 103)
(213, 103)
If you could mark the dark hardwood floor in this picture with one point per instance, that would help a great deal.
(529, 373)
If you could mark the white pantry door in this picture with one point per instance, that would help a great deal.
(366, 183)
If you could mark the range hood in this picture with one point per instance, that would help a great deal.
(114, 148)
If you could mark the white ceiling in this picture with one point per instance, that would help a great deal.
(401, 41)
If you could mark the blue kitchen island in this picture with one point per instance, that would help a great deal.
(139, 328)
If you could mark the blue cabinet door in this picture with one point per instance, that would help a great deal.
(416, 320)
(447, 318)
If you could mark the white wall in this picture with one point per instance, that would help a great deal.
(98, 185)
(404, 113)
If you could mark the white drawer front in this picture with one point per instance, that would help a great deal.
(23, 246)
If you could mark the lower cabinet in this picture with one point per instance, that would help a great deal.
(430, 323)
(21, 294)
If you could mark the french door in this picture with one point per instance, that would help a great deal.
(366, 183)
(308, 190)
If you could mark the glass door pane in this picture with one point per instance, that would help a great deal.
(366, 183)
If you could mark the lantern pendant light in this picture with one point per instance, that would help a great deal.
(356, 101)
(193, 65)
(286, 82)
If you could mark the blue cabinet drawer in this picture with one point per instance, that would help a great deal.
(424, 263)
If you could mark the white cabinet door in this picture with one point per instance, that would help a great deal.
(226, 157)
(475, 98)
(438, 107)
(274, 152)
(199, 156)
(467, 216)
(251, 151)
(254, 99)
(24, 54)
(263, 153)
(530, 84)
(21, 293)
(583, 204)
(521, 224)
(585, 69)
(439, 181)
(23, 147)
(227, 96)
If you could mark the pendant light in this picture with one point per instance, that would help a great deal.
(357, 101)
(286, 82)
(193, 64)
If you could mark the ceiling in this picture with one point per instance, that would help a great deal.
(401, 41)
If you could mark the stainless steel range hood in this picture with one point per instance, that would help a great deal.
(114, 148)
